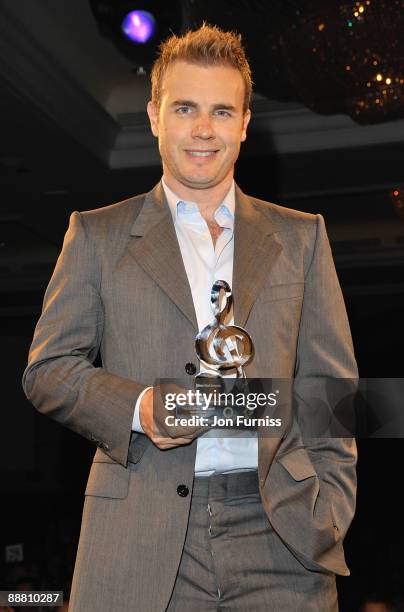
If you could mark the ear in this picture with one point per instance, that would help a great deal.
(153, 113)
(246, 121)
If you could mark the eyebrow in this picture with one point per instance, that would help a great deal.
(193, 104)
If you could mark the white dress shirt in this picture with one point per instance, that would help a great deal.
(237, 450)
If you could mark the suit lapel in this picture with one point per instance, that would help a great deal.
(255, 251)
(155, 247)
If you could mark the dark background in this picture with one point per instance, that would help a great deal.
(74, 136)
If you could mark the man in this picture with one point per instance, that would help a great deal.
(192, 521)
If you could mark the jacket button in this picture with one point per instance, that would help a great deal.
(182, 490)
(190, 368)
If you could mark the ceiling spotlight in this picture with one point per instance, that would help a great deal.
(139, 26)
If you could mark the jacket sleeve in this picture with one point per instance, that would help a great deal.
(325, 352)
(60, 379)
(313, 492)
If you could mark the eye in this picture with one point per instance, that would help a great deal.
(223, 113)
(183, 110)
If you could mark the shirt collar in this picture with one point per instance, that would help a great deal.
(180, 209)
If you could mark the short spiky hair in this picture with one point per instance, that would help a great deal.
(207, 46)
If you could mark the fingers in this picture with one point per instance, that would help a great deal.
(155, 418)
(164, 443)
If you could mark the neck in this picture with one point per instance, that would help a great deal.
(208, 200)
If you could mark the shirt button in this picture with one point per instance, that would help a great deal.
(182, 490)
(190, 368)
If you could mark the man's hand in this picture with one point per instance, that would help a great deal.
(152, 420)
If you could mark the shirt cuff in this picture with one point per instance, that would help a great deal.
(136, 426)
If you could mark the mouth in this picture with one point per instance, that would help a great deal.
(201, 154)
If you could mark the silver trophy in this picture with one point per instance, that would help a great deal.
(222, 347)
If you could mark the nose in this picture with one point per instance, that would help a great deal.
(203, 127)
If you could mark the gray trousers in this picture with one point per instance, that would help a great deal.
(233, 560)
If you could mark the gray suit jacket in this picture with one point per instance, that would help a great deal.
(120, 287)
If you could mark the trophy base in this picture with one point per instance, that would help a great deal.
(206, 383)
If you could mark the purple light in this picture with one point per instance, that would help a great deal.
(139, 26)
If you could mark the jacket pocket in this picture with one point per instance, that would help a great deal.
(286, 291)
(298, 464)
(108, 480)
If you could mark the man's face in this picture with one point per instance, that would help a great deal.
(200, 123)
